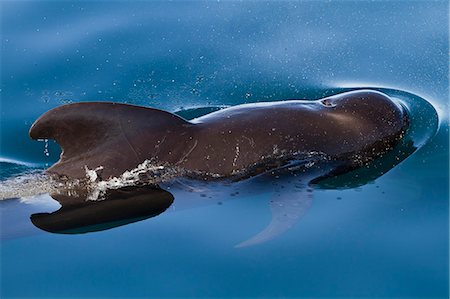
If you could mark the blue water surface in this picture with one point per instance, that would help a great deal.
(388, 237)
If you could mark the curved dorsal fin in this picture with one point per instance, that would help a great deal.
(104, 134)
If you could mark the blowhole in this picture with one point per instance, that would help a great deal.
(327, 103)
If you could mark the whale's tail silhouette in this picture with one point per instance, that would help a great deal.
(116, 136)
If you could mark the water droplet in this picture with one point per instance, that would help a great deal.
(46, 152)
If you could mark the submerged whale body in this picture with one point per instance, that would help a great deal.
(350, 129)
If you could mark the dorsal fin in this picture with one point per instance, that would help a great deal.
(116, 136)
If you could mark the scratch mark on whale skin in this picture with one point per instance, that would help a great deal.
(158, 145)
(250, 140)
(236, 156)
(188, 153)
(128, 141)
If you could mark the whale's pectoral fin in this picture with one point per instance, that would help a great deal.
(287, 208)
(103, 134)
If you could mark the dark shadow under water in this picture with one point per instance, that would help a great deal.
(118, 207)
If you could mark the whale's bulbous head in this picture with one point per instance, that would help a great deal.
(373, 120)
(368, 105)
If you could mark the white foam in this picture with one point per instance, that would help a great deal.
(30, 185)
(26, 185)
(154, 174)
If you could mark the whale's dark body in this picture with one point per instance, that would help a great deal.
(343, 132)
(352, 128)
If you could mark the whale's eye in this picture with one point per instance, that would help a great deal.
(327, 103)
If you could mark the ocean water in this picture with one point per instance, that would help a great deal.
(370, 233)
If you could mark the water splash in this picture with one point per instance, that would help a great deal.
(34, 183)
(27, 185)
(146, 173)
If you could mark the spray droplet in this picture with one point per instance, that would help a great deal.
(46, 152)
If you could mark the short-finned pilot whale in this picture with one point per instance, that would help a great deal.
(352, 128)
(347, 131)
